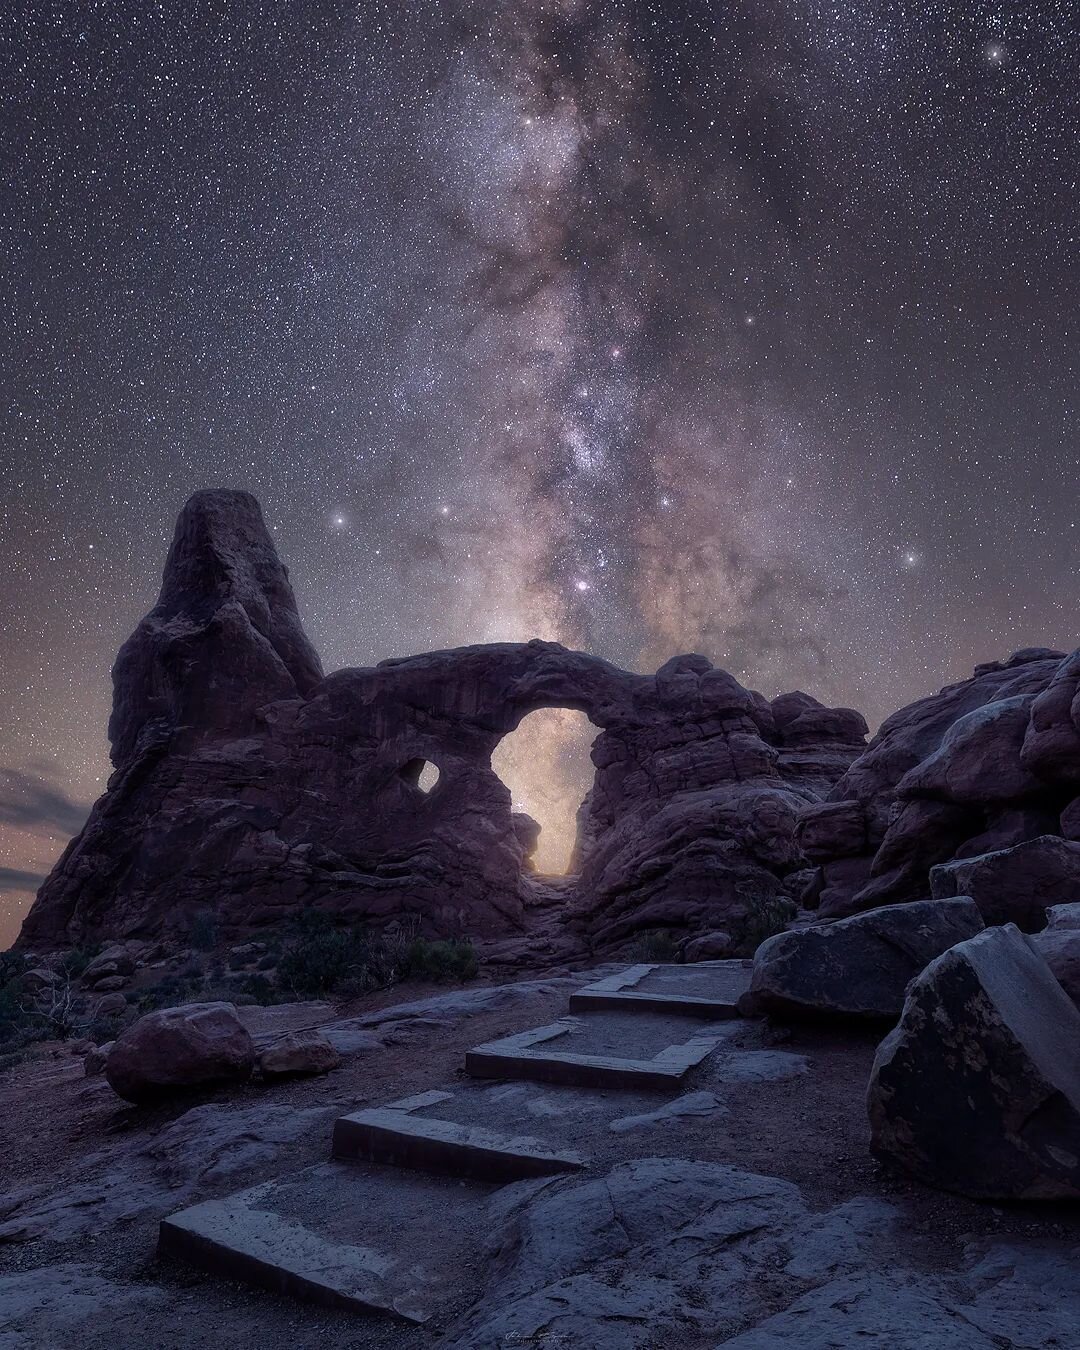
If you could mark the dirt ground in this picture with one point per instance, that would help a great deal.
(810, 1129)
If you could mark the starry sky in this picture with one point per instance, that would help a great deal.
(747, 327)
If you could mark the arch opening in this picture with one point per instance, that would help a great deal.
(545, 762)
(421, 773)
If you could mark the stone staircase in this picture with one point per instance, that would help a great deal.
(391, 1221)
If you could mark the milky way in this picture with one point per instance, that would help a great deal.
(743, 328)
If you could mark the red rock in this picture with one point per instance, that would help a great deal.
(298, 1053)
(248, 786)
(175, 1049)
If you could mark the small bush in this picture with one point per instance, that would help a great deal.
(326, 959)
(656, 946)
(441, 961)
(74, 962)
(765, 915)
(168, 993)
(259, 989)
(203, 932)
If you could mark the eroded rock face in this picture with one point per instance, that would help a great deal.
(248, 786)
(985, 765)
(977, 1089)
(177, 1049)
(860, 967)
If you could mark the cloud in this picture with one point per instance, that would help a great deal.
(34, 801)
(11, 879)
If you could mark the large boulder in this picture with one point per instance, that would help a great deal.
(858, 967)
(978, 759)
(977, 1089)
(1014, 885)
(177, 1049)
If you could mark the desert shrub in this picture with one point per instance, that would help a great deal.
(325, 959)
(168, 993)
(655, 946)
(765, 915)
(442, 961)
(260, 990)
(74, 962)
(17, 1026)
(203, 931)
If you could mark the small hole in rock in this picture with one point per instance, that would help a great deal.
(420, 773)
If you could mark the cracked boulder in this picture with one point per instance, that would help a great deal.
(977, 1089)
(859, 967)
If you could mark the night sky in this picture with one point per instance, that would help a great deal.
(742, 328)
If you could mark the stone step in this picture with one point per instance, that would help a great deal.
(530, 1055)
(353, 1235)
(709, 989)
(397, 1135)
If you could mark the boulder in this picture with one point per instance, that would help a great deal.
(110, 984)
(96, 1059)
(1063, 916)
(920, 834)
(1060, 949)
(1014, 885)
(175, 1049)
(1069, 820)
(1051, 748)
(113, 961)
(298, 1053)
(977, 1089)
(858, 967)
(840, 882)
(978, 759)
(828, 830)
(715, 946)
(111, 1005)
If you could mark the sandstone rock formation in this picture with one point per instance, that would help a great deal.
(978, 782)
(859, 967)
(248, 786)
(175, 1049)
(977, 1089)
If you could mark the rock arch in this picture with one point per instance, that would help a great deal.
(249, 784)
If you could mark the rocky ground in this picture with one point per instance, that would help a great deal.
(766, 1206)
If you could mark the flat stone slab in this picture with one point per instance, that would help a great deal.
(530, 1055)
(347, 1235)
(709, 989)
(398, 1135)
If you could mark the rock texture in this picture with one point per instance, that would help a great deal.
(176, 1049)
(985, 767)
(298, 1054)
(248, 785)
(977, 1090)
(859, 967)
